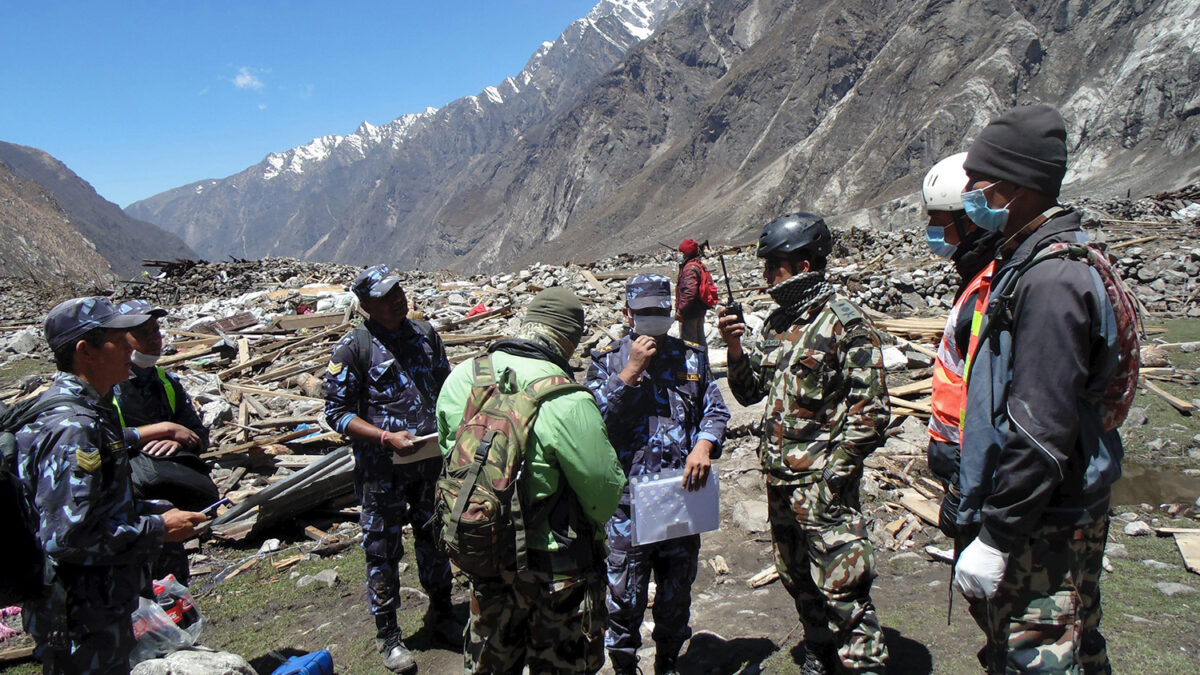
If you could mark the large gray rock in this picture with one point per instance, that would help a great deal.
(751, 515)
(195, 661)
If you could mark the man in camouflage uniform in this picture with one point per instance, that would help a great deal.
(1040, 439)
(549, 617)
(74, 462)
(380, 389)
(663, 410)
(820, 367)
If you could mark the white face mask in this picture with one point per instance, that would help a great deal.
(652, 325)
(143, 360)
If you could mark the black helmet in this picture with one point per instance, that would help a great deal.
(798, 234)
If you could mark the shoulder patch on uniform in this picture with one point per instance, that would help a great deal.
(335, 368)
(685, 376)
(845, 312)
(600, 352)
(88, 461)
(693, 345)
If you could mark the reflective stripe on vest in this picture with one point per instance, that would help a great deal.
(949, 395)
(167, 388)
(981, 304)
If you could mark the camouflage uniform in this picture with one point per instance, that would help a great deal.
(1046, 615)
(826, 411)
(654, 426)
(99, 540)
(552, 615)
(143, 400)
(396, 392)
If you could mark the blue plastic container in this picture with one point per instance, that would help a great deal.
(316, 663)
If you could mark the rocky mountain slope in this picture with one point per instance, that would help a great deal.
(375, 191)
(732, 112)
(37, 242)
(121, 240)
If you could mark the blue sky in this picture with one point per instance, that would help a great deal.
(138, 97)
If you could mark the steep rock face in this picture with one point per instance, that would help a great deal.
(373, 193)
(37, 241)
(735, 111)
(120, 239)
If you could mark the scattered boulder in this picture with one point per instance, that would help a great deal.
(1138, 528)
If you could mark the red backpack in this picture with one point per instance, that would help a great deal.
(707, 292)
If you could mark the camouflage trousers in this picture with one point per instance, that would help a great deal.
(1045, 617)
(404, 495)
(674, 564)
(826, 562)
(554, 623)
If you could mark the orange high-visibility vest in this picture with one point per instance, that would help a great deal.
(949, 394)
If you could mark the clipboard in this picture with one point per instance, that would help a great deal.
(426, 448)
(663, 510)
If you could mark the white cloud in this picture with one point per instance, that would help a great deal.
(246, 79)
(262, 106)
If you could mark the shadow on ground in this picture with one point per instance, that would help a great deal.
(711, 654)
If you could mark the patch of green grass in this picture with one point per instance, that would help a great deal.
(12, 373)
(1168, 641)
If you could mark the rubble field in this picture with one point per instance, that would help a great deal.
(250, 339)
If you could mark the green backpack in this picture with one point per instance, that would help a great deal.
(478, 505)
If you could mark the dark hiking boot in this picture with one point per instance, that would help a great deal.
(664, 663)
(816, 662)
(396, 656)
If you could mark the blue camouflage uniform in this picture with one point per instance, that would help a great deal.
(653, 426)
(395, 387)
(97, 537)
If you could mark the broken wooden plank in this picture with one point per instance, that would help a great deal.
(593, 281)
(256, 443)
(311, 320)
(15, 654)
(919, 406)
(1179, 404)
(471, 338)
(453, 324)
(763, 578)
(269, 392)
(287, 563)
(922, 507)
(243, 567)
(230, 324)
(316, 534)
(1188, 544)
(922, 387)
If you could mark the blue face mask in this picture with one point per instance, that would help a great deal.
(976, 205)
(935, 237)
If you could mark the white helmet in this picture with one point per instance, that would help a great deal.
(942, 188)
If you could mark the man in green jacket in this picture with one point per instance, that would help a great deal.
(550, 617)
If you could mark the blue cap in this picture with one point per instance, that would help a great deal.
(70, 319)
(648, 291)
(140, 307)
(374, 282)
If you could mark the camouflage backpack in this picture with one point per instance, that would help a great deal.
(478, 505)
(1117, 397)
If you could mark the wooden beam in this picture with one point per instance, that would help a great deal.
(268, 392)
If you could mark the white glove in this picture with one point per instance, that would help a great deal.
(979, 571)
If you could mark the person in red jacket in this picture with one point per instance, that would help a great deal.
(690, 307)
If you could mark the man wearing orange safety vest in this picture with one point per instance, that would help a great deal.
(950, 234)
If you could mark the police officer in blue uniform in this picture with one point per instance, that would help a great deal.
(663, 410)
(97, 538)
(381, 387)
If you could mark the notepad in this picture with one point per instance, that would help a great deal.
(426, 448)
(663, 510)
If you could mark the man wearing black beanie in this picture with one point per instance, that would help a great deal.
(1039, 450)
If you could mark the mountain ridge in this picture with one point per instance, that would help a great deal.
(729, 113)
